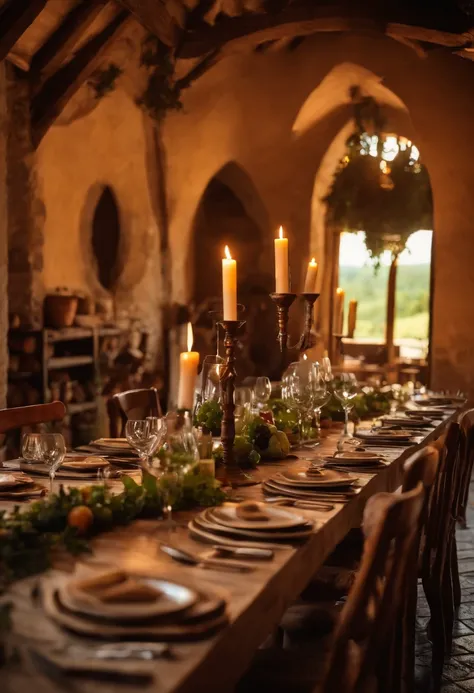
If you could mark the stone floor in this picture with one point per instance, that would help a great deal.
(459, 668)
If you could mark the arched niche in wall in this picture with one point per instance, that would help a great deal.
(106, 239)
(231, 213)
(109, 232)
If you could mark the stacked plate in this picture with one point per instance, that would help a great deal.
(407, 421)
(425, 412)
(265, 523)
(118, 451)
(313, 484)
(117, 604)
(73, 467)
(386, 437)
(356, 460)
(19, 486)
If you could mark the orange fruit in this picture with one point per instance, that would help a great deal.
(81, 518)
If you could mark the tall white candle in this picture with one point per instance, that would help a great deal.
(188, 367)
(311, 276)
(282, 281)
(229, 286)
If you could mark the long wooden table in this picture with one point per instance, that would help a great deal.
(256, 600)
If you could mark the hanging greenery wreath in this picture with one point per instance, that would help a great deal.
(382, 189)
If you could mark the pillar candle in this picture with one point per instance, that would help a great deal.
(282, 282)
(311, 276)
(351, 318)
(188, 367)
(229, 286)
(339, 311)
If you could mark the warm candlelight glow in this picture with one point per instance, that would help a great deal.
(280, 232)
(311, 277)
(305, 358)
(313, 262)
(229, 286)
(339, 291)
(227, 253)
(282, 270)
(190, 337)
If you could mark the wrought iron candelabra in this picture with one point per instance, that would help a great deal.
(234, 474)
(306, 341)
(283, 303)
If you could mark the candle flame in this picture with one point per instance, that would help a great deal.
(339, 291)
(305, 358)
(227, 253)
(280, 232)
(190, 337)
(313, 262)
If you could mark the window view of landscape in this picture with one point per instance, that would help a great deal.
(369, 287)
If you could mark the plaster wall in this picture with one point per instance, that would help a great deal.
(243, 110)
(110, 146)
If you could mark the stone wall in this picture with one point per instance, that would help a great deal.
(108, 147)
(3, 238)
(25, 209)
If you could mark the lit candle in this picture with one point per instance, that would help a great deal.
(339, 311)
(229, 286)
(282, 282)
(351, 318)
(188, 367)
(311, 276)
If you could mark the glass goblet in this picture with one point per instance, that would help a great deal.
(53, 452)
(145, 435)
(345, 389)
(31, 450)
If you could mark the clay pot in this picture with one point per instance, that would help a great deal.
(60, 310)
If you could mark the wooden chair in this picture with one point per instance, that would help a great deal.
(17, 417)
(467, 457)
(133, 404)
(438, 568)
(357, 652)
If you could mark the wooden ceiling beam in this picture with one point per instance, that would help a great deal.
(154, 16)
(49, 58)
(248, 30)
(15, 18)
(56, 92)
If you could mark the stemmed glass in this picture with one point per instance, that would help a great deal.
(262, 391)
(243, 402)
(31, 450)
(321, 395)
(178, 456)
(53, 452)
(298, 392)
(210, 377)
(145, 435)
(345, 389)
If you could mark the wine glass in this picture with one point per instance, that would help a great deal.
(145, 435)
(31, 450)
(345, 389)
(262, 391)
(210, 377)
(178, 456)
(299, 387)
(53, 452)
(321, 395)
(243, 402)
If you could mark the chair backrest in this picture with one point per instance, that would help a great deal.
(443, 508)
(29, 416)
(421, 466)
(466, 451)
(137, 404)
(364, 629)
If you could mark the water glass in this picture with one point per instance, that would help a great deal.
(31, 450)
(145, 436)
(262, 391)
(345, 389)
(53, 452)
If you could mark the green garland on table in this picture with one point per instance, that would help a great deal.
(67, 519)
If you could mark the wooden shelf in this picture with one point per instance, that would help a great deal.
(22, 375)
(79, 407)
(69, 362)
(68, 334)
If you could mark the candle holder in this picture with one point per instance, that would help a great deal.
(234, 475)
(305, 341)
(338, 353)
(283, 303)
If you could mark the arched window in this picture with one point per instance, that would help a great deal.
(106, 239)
